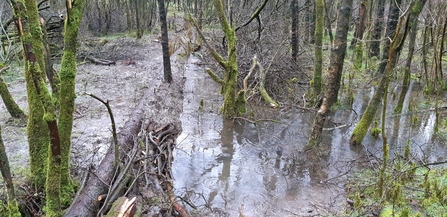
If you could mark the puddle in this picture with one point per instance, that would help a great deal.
(255, 170)
(258, 170)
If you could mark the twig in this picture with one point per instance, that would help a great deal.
(112, 119)
(255, 62)
(4, 69)
(259, 120)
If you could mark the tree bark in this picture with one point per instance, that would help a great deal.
(393, 18)
(165, 42)
(374, 49)
(36, 129)
(318, 39)
(332, 86)
(357, 40)
(13, 209)
(67, 93)
(362, 127)
(414, 13)
(12, 107)
(86, 203)
(295, 23)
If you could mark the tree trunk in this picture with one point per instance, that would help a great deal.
(362, 127)
(332, 85)
(328, 22)
(86, 203)
(357, 40)
(13, 209)
(393, 17)
(36, 129)
(307, 21)
(165, 42)
(374, 49)
(67, 93)
(295, 23)
(12, 107)
(33, 50)
(137, 20)
(414, 13)
(358, 34)
(319, 28)
(52, 76)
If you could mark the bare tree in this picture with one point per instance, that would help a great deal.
(334, 74)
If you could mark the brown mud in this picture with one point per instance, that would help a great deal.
(138, 72)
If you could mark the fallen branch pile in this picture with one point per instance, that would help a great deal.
(143, 171)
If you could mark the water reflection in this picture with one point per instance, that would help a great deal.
(236, 165)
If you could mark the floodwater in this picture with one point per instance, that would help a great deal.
(235, 168)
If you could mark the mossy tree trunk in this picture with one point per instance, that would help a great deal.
(234, 102)
(13, 210)
(52, 75)
(413, 23)
(333, 78)
(12, 107)
(31, 35)
(36, 129)
(357, 40)
(33, 44)
(318, 39)
(362, 127)
(67, 93)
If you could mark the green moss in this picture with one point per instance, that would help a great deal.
(13, 209)
(375, 131)
(37, 133)
(53, 190)
(240, 103)
(400, 200)
(68, 95)
(12, 107)
(358, 55)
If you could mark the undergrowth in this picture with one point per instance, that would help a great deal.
(411, 189)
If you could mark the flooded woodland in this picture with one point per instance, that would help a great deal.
(223, 108)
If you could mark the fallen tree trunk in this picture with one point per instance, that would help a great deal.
(86, 203)
(101, 61)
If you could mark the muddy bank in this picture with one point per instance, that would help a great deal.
(136, 78)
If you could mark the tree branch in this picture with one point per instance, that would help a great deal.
(253, 16)
(214, 53)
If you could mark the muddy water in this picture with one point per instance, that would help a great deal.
(236, 167)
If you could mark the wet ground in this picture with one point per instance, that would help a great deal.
(260, 169)
(228, 168)
(121, 84)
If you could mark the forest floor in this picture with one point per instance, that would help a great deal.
(138, 69)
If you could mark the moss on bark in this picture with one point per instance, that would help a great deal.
(68, 95)
(13, 210)
(37, 131)
(12, 107)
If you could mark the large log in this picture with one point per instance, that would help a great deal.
(86, 203)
